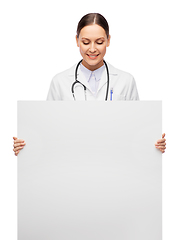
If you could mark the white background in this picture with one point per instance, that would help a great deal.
(38, 41)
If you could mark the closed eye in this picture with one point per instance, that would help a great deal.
(85, 43)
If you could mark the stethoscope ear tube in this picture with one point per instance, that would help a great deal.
(76, 81)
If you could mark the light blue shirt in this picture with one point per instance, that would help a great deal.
(93, 77)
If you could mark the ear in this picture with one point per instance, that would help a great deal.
(108, 40)
(77, 41)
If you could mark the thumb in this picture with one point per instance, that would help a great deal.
(163, 135)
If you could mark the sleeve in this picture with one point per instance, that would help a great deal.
(53, 94)
(132, 93)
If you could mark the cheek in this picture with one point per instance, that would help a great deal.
(81, 51)
(102, 49)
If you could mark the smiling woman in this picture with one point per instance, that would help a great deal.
(92, 39)
(91, 78)
(92, 42)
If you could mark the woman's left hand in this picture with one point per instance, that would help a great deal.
(161, 143)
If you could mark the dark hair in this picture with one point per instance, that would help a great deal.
(93, 18)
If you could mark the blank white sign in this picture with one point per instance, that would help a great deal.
(89, 171)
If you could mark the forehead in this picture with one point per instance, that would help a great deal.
(92, 31)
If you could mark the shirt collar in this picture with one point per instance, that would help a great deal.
(98, 72)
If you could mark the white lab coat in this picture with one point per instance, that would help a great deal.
(122, 83)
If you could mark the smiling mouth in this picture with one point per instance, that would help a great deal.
(92, 56)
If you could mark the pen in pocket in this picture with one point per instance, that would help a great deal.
(111, 94)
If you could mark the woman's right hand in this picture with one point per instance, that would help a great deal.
(18, 145)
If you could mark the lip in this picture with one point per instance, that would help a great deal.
(92, 56)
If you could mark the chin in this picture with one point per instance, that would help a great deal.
(94, 62)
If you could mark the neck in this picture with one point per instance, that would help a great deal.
(93, 67)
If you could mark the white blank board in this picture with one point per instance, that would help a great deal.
(89, 171)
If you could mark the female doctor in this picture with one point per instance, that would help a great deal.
(92, 78)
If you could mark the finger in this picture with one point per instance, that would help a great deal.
(161, 147)
(162, 150)
(161, 140)
(163, 135)
(17, 148)
(16, 153)
(14, 138)
(161, 144)
(19, 141)
(19, 144)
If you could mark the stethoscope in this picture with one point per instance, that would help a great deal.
(76, 81)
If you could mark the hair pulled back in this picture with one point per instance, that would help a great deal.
(93, 18)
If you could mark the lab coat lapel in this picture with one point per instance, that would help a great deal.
(103, 80)
(112, 75)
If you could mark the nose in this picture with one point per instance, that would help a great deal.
(92, 47)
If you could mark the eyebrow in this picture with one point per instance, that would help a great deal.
(101, 38)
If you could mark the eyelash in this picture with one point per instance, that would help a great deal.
(97, 43)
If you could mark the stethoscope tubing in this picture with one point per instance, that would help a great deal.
(76, 81)
(107, 90)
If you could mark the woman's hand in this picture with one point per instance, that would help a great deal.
(161, 143)
(18, 145)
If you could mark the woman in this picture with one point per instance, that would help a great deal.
(92, 39)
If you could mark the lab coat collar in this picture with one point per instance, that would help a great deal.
(97, 73)
(112, 72)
